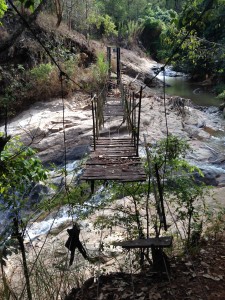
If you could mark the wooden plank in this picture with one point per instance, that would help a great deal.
(122, 150)
(113, 175)
(104, 150)
(117, 154)
(110, 114)
(116, 148)
(108, 161)
(115, 145)
(111, 142)
(114, 113)
(106, 174)
(160, 242)
(115, 178)
(114, 139)
(112, 168)
(94, 169)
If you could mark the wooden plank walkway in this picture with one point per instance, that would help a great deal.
(114, 158)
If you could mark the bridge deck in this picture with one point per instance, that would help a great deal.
(114, 158)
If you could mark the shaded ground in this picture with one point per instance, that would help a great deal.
(199, 276)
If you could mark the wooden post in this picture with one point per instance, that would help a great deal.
(118, 64)
(139, 120)
(93, 119)
(122, 95)
(92, 186)
(162, 211)
(132, 117)
(96, 117)
(135, 120)
(109, 60)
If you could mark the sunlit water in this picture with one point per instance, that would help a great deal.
(64, 214)
(183, 87)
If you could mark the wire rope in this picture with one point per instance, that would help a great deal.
(127, 232)
(101, 246)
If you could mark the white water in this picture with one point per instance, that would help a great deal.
(40, 228)
(63, 215)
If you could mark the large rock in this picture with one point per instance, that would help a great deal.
(41, 126)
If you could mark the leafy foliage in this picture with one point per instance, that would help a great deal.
(129, 32)
(221, 95)
(156, 21)
(200, 32)
(122, 11)
(3, 8)
(184, 193)
(183, 196)
(99, 73)
(41, 82)
(21, 170)
(104, 25)
(41, 73)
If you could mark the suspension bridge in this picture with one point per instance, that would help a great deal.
(115, 152)
(116, 113)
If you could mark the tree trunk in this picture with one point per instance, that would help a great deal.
(59, 12)
(22, 249)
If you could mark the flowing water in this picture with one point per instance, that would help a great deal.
(179, 84)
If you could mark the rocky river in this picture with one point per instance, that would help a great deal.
(41, 126)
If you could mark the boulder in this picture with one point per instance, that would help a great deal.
(41, 126)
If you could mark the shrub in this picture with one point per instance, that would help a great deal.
(99, 73)
(41, 73)
(221, 96)
(130, 31)
(104, 24)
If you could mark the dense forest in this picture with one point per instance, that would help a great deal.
(53, 50)
(198, 28)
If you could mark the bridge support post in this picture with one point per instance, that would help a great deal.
(92, 186)
(118, 64)
(93, 119)
(109, 60)
(139, 120)
(160, 261)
